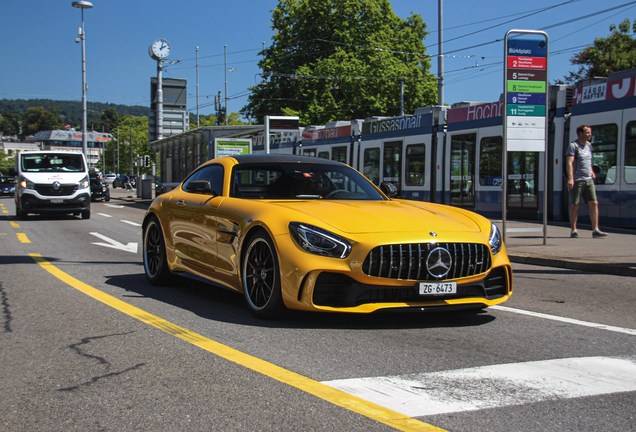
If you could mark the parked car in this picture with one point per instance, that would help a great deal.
(108, 178)
(120, 181)
(312, 234)
(7, 185)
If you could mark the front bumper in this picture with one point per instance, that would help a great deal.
(30, 203)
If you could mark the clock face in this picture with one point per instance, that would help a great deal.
(160, 48)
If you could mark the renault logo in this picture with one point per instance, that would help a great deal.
(439, 262)
(56, 185)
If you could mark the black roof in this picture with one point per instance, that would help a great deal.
(281, 158)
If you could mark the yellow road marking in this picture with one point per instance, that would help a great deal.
(23, 238)
(15, 225)
(376, 412)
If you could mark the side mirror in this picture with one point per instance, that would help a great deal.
(200, 186)
(389, 189)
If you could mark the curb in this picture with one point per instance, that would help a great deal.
(573, 264)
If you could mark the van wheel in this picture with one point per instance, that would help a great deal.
(21, 214)
(86, 214)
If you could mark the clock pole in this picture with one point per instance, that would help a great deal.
(159, 121)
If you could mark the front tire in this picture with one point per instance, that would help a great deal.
(86, 214)
(261, 278)
(154, 252)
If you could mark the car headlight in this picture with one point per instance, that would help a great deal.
(495, 240)
(84, 183)
(319, 241)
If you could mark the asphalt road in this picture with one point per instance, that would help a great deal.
(559, 355)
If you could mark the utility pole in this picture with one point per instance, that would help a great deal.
(197, 86)
(225, 49)
(131, 151)
(440, 59)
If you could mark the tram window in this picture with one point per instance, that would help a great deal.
(604, 139)
(323, 155)
(371, 168)
(415, 165)
(309, 152)
(630, 153)
(490, 161)
(339, 154)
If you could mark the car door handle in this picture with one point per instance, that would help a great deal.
(181, 203)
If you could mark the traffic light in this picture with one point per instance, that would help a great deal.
(146, 160)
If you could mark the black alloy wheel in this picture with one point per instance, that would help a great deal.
(154, 253)
(261, 278)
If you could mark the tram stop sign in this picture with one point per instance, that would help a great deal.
(526, 90)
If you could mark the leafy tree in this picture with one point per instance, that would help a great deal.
(128, 124)
(611, 54)
(342, 59)
(6, 162)
(39, 119)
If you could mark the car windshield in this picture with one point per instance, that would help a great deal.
(301, 181)
(52, 162)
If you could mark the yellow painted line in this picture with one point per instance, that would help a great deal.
(23, 238)
(368, 409)
(15, 225)
(5, 211)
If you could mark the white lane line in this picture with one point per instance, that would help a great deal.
(110, 243)
(114, 205)
(567, 320)
(494, 386)
(104, 214)
(131, 223)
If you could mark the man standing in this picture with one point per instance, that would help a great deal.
(578, 160)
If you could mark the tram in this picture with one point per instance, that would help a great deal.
(453, 155)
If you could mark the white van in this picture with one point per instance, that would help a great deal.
(54, 181)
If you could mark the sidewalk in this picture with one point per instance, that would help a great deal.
(614, 254)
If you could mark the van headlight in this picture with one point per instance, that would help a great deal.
(495, 240)
(26, 183)
(84, 183)
(319, 241)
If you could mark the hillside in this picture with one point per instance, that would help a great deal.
(71, 110)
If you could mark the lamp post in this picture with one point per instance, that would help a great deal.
(83, 5)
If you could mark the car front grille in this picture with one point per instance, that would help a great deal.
(340, 290)
(48, 190)
(409, 261)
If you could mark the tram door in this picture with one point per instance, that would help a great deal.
(392, 168)
(462, 170)
(523, 185)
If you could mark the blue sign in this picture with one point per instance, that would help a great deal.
(527, 48)
(526, 98)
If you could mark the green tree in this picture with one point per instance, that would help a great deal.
(40, 119)
(11, 123)
(611, 54)
(138, 127)
(6, 162)
(342, 59)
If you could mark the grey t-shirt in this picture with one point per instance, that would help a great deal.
(582, 164)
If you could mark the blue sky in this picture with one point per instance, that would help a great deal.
(40, 58)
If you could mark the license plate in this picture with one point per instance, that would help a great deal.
(57, 201)
(438, 288)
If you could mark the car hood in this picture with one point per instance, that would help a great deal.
(358, 217)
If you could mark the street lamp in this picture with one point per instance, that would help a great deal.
(83, 5)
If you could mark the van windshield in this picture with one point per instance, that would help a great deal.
(52, 162)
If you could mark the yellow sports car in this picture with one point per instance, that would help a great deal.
(312, 234)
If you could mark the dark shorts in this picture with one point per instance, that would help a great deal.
(585, 189)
